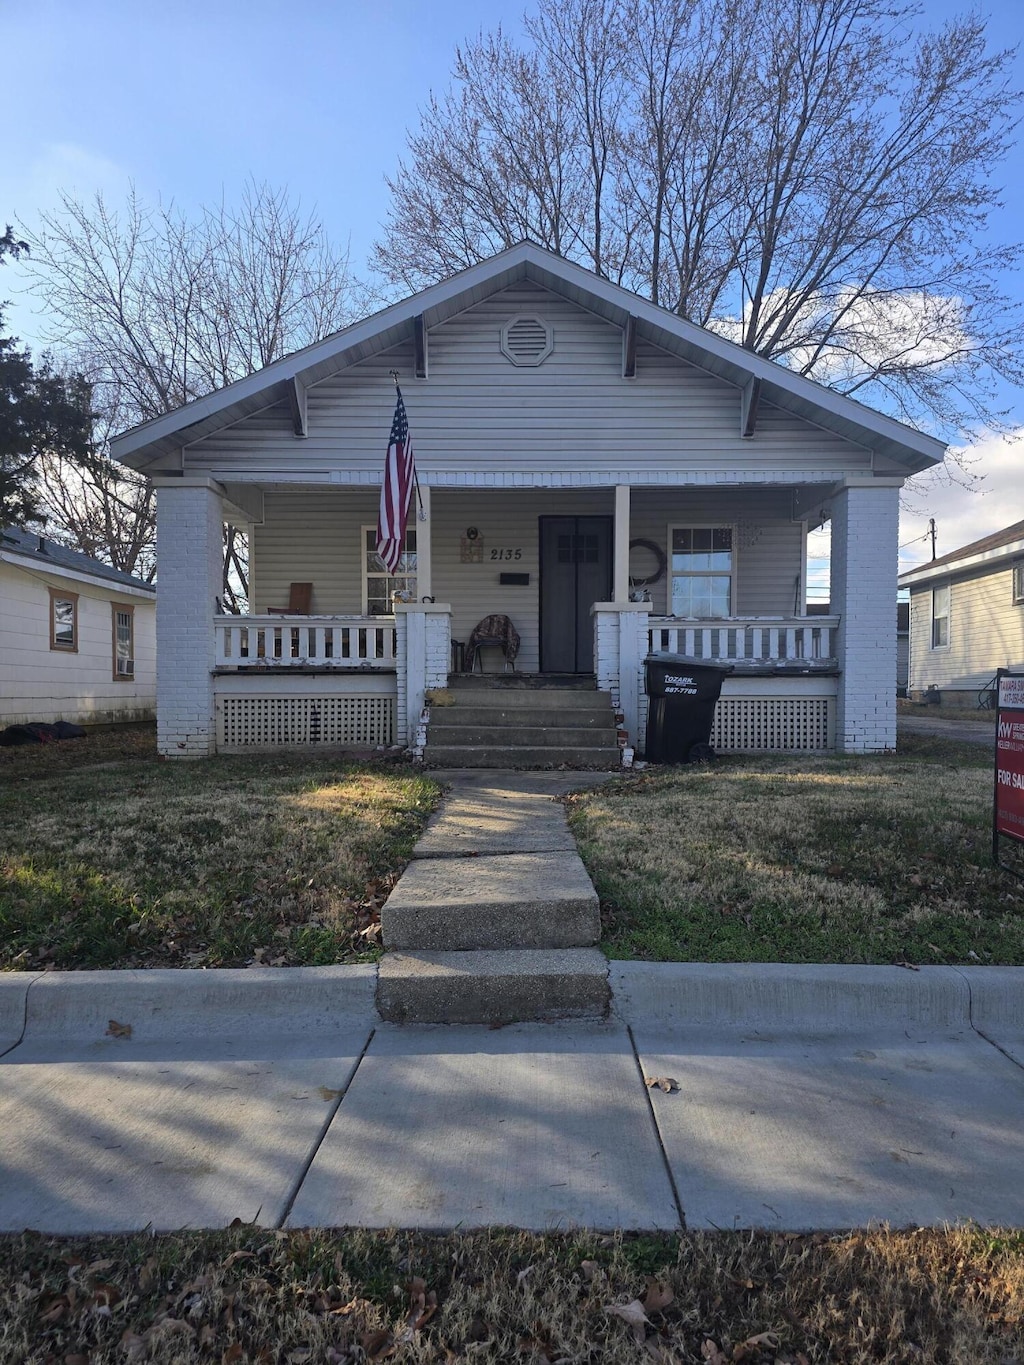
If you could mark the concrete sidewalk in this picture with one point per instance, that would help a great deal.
(809, 1097)
(792, 1097)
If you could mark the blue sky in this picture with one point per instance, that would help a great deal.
(188, 100)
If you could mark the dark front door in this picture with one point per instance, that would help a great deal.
(575, 572)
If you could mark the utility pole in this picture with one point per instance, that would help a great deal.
(931, 532)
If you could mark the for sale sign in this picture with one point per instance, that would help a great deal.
(1008, 816)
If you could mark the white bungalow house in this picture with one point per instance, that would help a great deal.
(571, 440)
(77, 638)
(967, 616)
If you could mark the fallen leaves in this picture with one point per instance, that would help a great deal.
(633, 1315)
(658, 1296)
(667, 1083)
(116, 1030)
(252, 1296)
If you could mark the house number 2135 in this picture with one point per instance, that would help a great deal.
(506, 554)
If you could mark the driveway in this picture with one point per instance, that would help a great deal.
(948, 727)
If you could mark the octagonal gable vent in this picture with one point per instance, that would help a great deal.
(527, 340)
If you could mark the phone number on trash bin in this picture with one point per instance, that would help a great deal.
(674, 685)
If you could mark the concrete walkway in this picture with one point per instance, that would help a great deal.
(808, 1097)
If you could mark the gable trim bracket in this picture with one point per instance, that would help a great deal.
(750, 397)
(629, 348)
(419, 334)
(297, 402)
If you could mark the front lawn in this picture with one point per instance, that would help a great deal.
(131, 862)
(347, 1297)
(792, 859)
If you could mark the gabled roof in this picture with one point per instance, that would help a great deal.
(991, 549)
(910, 450)
(19, 544)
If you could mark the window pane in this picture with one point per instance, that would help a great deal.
(940, 616)
(63, 621)
(701, 549)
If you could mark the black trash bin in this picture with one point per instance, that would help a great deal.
(683, 693)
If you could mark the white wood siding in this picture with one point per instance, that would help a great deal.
(315, 536)
(311, 536)
(573, 417)
(986, 632)
(38, 683)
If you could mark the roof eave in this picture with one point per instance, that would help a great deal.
(20, 560)
(987, 559)
(910, 449)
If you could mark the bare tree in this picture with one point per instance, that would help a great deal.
(812, 178)
(156, 309)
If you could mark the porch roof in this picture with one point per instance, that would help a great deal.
(908, 450)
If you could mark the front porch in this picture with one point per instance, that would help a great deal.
(335, 679)
(577, 556)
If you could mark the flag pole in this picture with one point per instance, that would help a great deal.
(415, 471)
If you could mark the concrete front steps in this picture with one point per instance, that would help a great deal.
(493, 938)
(515, 720)
(493, 987)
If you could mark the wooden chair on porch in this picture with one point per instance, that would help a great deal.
(300, 600)
(493, 630)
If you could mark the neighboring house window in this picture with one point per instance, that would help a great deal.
(64, 620)
(1018, 582)
(940, 617)
(124, 642)
(702, 570)
(380, 587)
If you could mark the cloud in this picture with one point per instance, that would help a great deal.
(865, 328)
(30, 187)
(36, 186)
(995, 499)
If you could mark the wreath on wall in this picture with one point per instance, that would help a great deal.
(660, 563)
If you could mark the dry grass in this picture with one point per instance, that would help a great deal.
(828, 859)
(110, 744)
(942, 1298)
(136, 863)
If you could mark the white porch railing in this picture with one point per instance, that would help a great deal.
(805, 639)
(304, 641)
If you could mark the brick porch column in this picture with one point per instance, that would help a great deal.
(190, 568)
(865, 540)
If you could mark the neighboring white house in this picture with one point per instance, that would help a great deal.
(967, 616)
(571, 439)
(77, 638)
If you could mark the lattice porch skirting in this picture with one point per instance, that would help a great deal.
(268, 722)
(773, 724)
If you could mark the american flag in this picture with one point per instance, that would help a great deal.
(396, 492)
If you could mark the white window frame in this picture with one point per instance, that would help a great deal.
(1017, 582)
(126, 609)
(733, 529)
(933, 619)
(364, 572)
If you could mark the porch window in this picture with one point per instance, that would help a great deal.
(379, 586)
(124, 642)
(940, 617)
(702, 570)
(64, 620)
